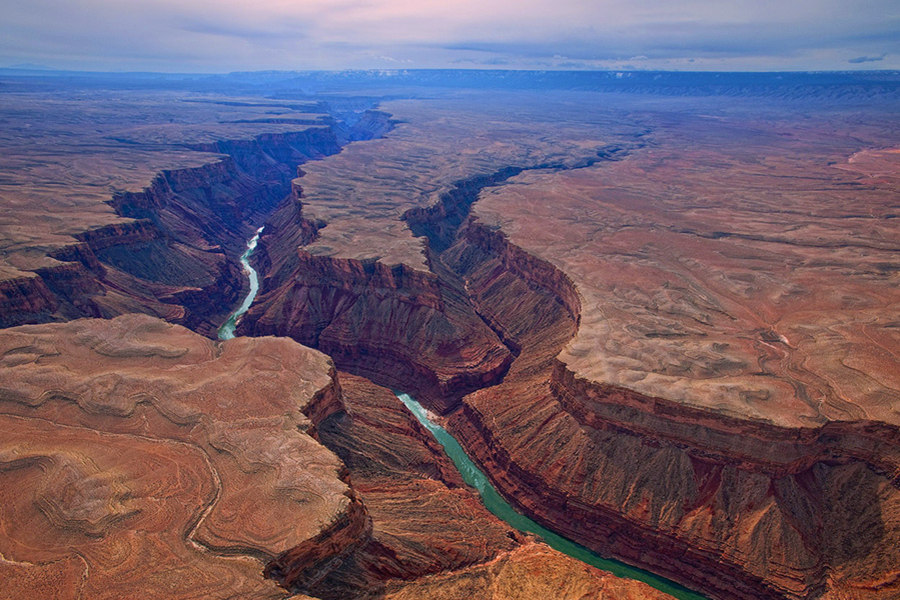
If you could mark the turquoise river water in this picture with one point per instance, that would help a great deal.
(226, 331)
(473, 476)
(495, 503)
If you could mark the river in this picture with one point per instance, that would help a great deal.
(473, 476)
(226, 331)
(495, 503)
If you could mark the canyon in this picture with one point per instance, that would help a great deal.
(146, 202)
(664, 325)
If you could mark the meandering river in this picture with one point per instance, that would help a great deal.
(473, 476)
(226, 331)
(495, 503)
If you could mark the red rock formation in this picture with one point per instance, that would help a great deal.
(424, 519)
(528, 572)
(25, 298)
(736, 508)
(412, 330)
(172, 251)
(140, 458)
(430, 533)
(784, 484)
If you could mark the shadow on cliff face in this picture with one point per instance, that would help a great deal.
(730, 525)
(825, 495)
(424, 520)
(855, 502)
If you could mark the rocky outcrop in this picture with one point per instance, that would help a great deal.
(511, 576)
(216, 202)
(409, 488)
(778, 451)
(303, 567)
(408, 328)
(25, 298)
(431, 536)
(141, 458)
(737, 508)
(173, 255)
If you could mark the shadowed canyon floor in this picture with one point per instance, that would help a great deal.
(116, 201)
(138, 457)
(691, 306)
(662, 319)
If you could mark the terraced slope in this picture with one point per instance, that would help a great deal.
(691, 304)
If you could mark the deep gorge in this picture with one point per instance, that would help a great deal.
(661, 327)
(476, 338)
(485, 326)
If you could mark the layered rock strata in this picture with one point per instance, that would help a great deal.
(528, 572)
(772, 453)
(148, 218)
(172, 254)
(362, 286)
(647, 412)
(431, 536)
(140, 458)
(424, 519)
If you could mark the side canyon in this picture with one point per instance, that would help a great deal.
(663, 321)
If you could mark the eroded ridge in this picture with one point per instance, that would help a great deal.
(619, 290)
(669, 443)
(431, 535)
(362, 286)
(141, 458)
(117, 202)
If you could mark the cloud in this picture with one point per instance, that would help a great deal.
(224, 35)
(865, 59)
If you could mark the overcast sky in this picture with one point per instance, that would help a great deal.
(230, 35)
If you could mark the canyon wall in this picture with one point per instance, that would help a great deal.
(173, 255)
(410, 329)
(379, 263)
(739, 509)
(173, 252)
(139, 457)
(736, 508)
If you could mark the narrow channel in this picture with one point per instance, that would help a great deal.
(226, 331)
(473, 476)
(495, 503)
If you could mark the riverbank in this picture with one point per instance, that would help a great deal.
(226, 331)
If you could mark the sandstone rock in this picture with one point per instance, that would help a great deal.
(702, 376)
(431, 536)
(140, 458)
(424, 519)
(102, 217)
(528, 572)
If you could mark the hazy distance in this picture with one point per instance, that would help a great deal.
(228, 35)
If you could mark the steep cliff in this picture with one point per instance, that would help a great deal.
(173, 252)
(736, 508)
(409, 487)
(405, 327)
(431, 535)
(410, 329)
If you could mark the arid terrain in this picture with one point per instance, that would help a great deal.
(662, 315)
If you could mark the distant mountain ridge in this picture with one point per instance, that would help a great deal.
(838, 85)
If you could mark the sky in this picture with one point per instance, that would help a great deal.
(231, 35)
